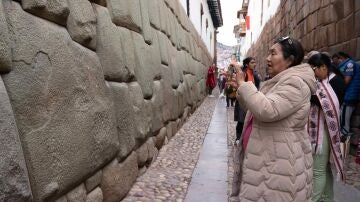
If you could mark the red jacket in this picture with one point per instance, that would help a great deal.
(210, 81)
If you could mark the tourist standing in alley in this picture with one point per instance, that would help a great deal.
(210, 81)
(249, 65)
(277, 163)
(351, 71)
(324, 126)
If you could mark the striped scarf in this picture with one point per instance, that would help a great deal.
(329, 113)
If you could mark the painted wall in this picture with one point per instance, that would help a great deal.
(207, 35)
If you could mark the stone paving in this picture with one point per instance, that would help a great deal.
(352, 172)
(168, 178)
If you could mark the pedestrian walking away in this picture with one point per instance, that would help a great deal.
(276, 164)
(210, 81)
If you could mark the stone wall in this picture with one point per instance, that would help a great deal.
(90, 91)
(325, 25)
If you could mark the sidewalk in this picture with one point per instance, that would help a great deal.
(209, 180)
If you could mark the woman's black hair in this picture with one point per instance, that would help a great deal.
(247, 61)
(292, 49)
(322, 59)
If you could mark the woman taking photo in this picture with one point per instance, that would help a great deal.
(277, 163)
(323, 126)
(249, 65)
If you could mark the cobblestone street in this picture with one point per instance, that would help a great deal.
(168, 178)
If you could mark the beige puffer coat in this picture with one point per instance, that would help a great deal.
(278, 162)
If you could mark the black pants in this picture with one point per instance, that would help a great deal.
(239, 128)
(210, 91)
(228, 100)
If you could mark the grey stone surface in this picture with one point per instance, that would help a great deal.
(61, 199)
(54, 10)
(163, 17)
(58, 96)
(176, 73)
(5, 50)
(157, 101)
(154, 13)
(126, 13)
(129, 51)
(147, 31)
(118, 178)
(110, 49)
(142, 154)
(141, 113)
(143, 71)
(168, 93)
(100, 2)
(95, 196)
(81, 23)
(151, 149)
(13, 172)
(77, 195)
(93, 181)
(155, 59)
(122, 107)
(160, 138)
(163, 47)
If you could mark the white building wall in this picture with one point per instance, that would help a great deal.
(207, 35)
(257, 22)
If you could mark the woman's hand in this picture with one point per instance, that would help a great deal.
(240, 77)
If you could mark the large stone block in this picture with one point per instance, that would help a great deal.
(357, 25)
(163, 17)
(77, 195)
(54, 10)
(147, 31)
(157, 101)
(154, 13)
(118, 178)
(142, 154)
(100, 2)
(129, 51)
(5, 50)
(155, 57)
(93, 181)
(143, 71)
(13, 172)
(141, 113)
(95, 196)
(160, 138)
(163, 47)
(114, 58)
(122, 106)
(168, 104)
(126, 13)
(58, 96)
(348, 7)
(81, 23)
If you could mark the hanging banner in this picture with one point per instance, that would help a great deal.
(247, 19)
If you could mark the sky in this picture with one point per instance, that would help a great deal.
(229, 10)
